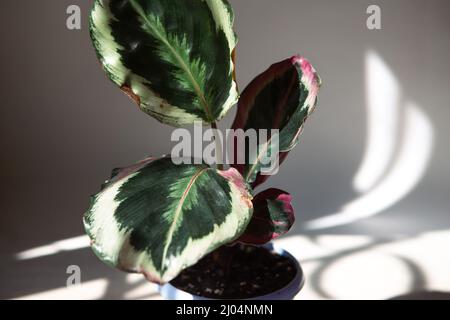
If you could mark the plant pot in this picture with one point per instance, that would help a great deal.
(288, 292)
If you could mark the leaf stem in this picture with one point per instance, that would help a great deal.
(218, 152)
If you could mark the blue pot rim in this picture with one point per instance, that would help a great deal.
(288, 292)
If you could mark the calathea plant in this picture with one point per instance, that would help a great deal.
(175, 59)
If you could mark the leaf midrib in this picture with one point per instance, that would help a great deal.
(180, 60)
(178, 213)
(258, 159)
(276, 123)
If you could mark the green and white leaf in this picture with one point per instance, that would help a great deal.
(174, 58)
(157, 218)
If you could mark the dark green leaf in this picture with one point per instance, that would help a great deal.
(174, 58)
(158, 218)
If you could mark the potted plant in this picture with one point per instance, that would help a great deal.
(197, 229)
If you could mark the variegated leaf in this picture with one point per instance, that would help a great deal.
(280, 98)
(158, 218)
(174, 58)
(273, 216)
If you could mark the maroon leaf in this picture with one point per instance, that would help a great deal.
(273, 216)
(282, 98)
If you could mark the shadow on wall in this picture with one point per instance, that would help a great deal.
(379, 269)
(316, 279)
(398, 149)
(45, 278)
(365, 267)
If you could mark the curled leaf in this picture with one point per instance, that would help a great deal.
(273, 216)
(282, 98)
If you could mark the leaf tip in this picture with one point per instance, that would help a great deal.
(307, 69)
